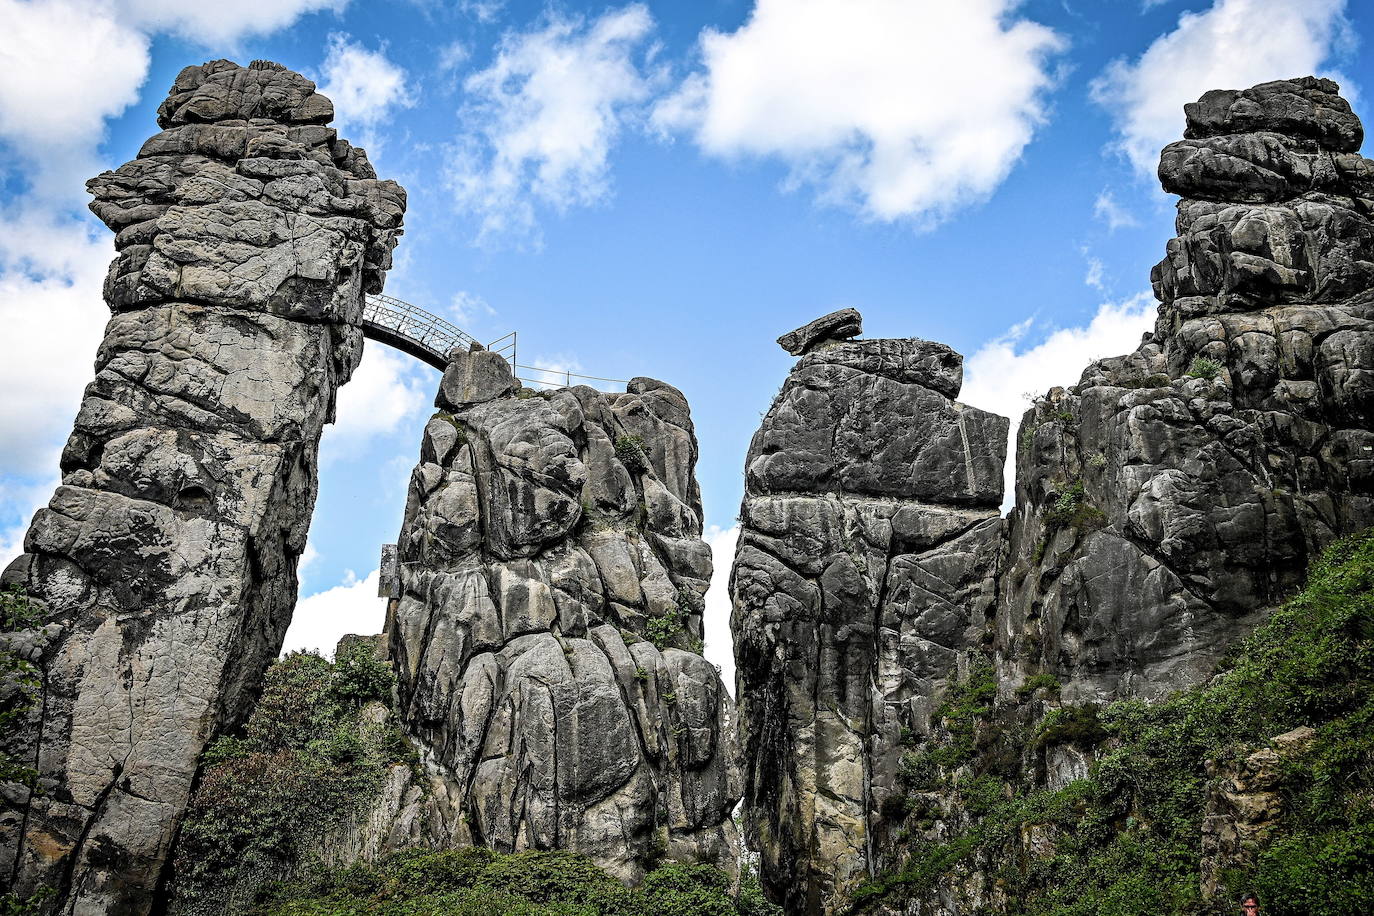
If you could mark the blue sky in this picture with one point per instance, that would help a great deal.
(654, 189)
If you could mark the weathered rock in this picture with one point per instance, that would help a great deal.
(548, 631)
(865, 567)
(1164, 506)
(839, 325)
(247, 234)
(1175, 495)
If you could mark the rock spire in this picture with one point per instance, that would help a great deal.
(165, 565)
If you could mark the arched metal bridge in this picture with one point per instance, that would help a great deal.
(429, 338)
(423, 335)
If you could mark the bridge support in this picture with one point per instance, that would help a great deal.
(165, 564)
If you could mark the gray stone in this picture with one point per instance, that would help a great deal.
(474, 376)
(547, 536)
(838, 325)
(167, 559)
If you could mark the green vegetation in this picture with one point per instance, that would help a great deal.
(664, 631)
(307, 761)
(1203, 367)
(1071, 509)
(480, 882)
(1127, 839)
(20, 679)
(1044, 680)
(630, 452)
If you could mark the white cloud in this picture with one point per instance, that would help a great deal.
(543, 118)
(484, 11)
(350, 607)
(904, 110)
(720, 644)
(383, 393)
(1096, 269)
(469, 308)
(452, 56)
(365, 86)
(1112, 213)
(999, 377)
(221, 23)
(68, 65)
(51, 309)
(1232, 45)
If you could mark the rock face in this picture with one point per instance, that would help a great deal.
(1164, 505)
(870, 535)
(547, 635)
(1175, 495)
(166, 562)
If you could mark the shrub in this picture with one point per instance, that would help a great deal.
(1203, 367)
(630, 452)
(20, 679)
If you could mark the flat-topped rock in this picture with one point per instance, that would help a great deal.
(838, 325)
(1307, 108)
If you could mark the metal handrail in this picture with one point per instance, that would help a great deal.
(428, 337)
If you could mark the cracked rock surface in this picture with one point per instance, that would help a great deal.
(547, 637)
(869, 539)
(247, 233)
(1174, 496)
(1165, 504)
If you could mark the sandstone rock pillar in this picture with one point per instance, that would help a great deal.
(548, 632)
(248, 233)
(865, 568)
(1174, 496)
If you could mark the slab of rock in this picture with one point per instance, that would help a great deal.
(548, 630)
(866, 566)
(474, 376)
(838, 325)
(247, 234)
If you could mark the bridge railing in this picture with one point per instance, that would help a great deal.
(415, 324)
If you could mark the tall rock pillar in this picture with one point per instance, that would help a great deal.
(548, 631)
(165, 564)
(1174, 496)
(865, 569)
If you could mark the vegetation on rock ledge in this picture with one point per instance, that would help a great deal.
(480, 882)
(1128, 839)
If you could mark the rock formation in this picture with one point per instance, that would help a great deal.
(247, 234)
(1165, 504)
(1175, 495)
(547, 634)
(870, 531)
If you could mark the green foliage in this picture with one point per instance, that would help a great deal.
(1043, 680)
(630, 452)
(1078, 725)
(307, 761)
(665, 630)
(20, 679)
(1127, 839)
(480, 882)
(1203, 367)
(1072, 510)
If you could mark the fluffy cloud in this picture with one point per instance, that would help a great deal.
(1112, 213)
(68, 65)
(51, 309)
(211, 23)
(720, 644)
(1001, 378)
(543, 118)
(1232, 45)
(350, 607)
(365, 86)
(864, 100)
(384, 391)
(468, 309)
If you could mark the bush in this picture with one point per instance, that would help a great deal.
(1203, 367)
(630, 452)
(480, 882)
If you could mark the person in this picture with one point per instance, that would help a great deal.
(1249, 905)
